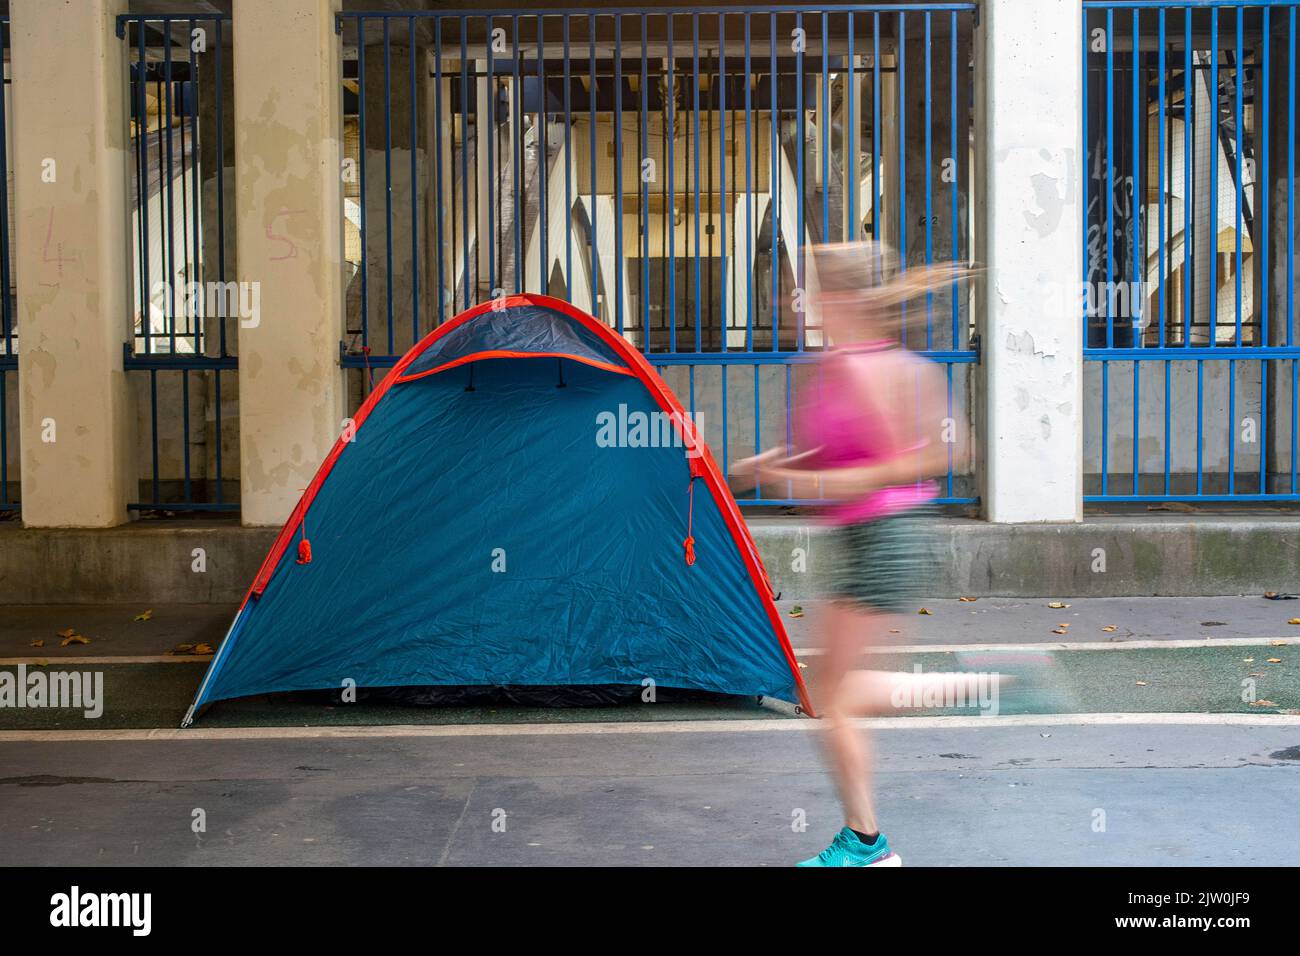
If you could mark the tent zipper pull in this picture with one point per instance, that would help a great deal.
(689, 543)
(304, 545)
(370, 373)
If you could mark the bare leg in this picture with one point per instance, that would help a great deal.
(865, 693)
(846, 633)
(843, 691)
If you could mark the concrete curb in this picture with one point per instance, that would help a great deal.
(1185, 555)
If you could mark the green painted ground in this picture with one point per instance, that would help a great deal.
(1198, 680)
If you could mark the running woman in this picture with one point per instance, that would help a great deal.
(873, 428)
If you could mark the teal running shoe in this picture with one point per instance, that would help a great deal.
(847, 849)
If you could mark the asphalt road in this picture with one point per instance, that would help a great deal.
(689, 794)
(1127, 741)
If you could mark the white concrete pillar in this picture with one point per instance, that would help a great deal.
(288, 157)
(559, 224)
(888, 162)
(746, 209)
(853, 139)
(72, 262)
(1028, 100)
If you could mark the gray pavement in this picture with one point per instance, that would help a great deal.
(949, 796)
(689, 790)
(113, 630)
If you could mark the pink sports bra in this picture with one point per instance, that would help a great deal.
(831, 416)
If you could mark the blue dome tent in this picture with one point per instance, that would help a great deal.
(521, 502)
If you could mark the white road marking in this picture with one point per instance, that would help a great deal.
(1062, 646)
(758, 725)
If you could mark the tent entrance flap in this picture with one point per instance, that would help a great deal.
(512, 354)
(525, 329)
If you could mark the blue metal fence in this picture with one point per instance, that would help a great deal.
(181, 356)
(8, 321)
(1188, 119)
(665, 170)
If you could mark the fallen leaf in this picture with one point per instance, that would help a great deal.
(67, 632)
(145, 615)
(923, 611)
(1256, 675)
(894, 630)
(1277, 643)
(1110, 627)
(38, 643)
(1142, 683)
(802, 664)
(1057, 604)
(1294, 620)
(1262, 703)
(1248, 660)
(74, 638)
(1059, 630)
(796, 611)
(1181, 506)
(967, 599)
(183, 649)
(1212, 624)
(1274, 596)
(1064, 624)
(1275, 660)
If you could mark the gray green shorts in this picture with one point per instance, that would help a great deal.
(886, 564)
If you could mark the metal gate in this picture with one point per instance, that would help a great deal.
(665, 170)
(8, 325)
(1189, 239)
(181, 360)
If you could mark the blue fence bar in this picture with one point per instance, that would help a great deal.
(666, 170)
(1190, 372)
(8, 316)
(182, 353)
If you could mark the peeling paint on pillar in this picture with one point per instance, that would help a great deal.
(288, 158)
(1028, 53)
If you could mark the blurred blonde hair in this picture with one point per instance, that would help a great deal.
(867, 273)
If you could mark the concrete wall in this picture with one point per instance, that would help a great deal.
(154, 562)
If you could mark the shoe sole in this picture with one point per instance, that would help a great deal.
(890, 859)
